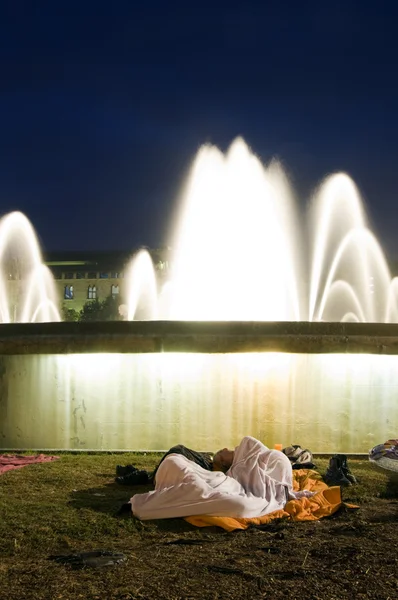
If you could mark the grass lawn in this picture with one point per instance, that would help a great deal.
(70, 506)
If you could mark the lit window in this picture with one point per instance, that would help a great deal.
(114, 290)
(68, 294)
(92, 292)
(104, 275)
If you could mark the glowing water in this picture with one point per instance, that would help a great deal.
(27, 290)
(241, 253)
(350, 278)
(331, 403)
(142, 287)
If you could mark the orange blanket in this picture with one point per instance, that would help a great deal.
(324, 503)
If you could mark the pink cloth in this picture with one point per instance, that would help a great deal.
(8, 462)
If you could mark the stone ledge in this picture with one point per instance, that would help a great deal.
(198, 336)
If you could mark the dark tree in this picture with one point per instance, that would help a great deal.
(70, 314)
(100, 310)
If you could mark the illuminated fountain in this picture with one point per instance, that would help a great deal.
(266, 325)
(241, 252)
(27, 290)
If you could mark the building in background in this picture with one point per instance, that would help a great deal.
(81, 277)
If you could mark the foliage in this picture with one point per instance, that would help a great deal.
(91, 311)
(70, 314)
(101, 310)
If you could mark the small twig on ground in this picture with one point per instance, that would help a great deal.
(305, 558)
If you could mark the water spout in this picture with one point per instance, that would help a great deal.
(27, 290)
(241, 253)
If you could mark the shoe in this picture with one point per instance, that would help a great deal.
(122, 471)
(125, 509)
(346, 470)
(335, 475)
(134, 478)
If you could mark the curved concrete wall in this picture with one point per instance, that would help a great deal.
(326, 402)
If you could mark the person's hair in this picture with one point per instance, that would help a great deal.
(219, 464)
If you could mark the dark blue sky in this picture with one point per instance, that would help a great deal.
(104, 104)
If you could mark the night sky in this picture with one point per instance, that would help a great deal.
(104, 104)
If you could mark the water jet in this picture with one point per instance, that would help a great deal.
(265, 326)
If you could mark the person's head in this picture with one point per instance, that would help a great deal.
(222, 460)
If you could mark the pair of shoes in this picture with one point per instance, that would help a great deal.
(134, 478)
(338, 472)
(122, 471)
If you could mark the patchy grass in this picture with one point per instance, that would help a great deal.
(70, 506)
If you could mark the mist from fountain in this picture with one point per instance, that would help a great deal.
(242, 253)
(142, 296)
(27, 290)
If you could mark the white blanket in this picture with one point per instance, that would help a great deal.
(259, 481)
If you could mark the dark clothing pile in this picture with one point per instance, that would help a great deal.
(203, 459)
(130, 475)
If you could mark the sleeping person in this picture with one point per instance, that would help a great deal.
(250, 481)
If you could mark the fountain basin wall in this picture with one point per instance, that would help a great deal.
(331, 387)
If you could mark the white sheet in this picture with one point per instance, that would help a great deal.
(259, 481)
